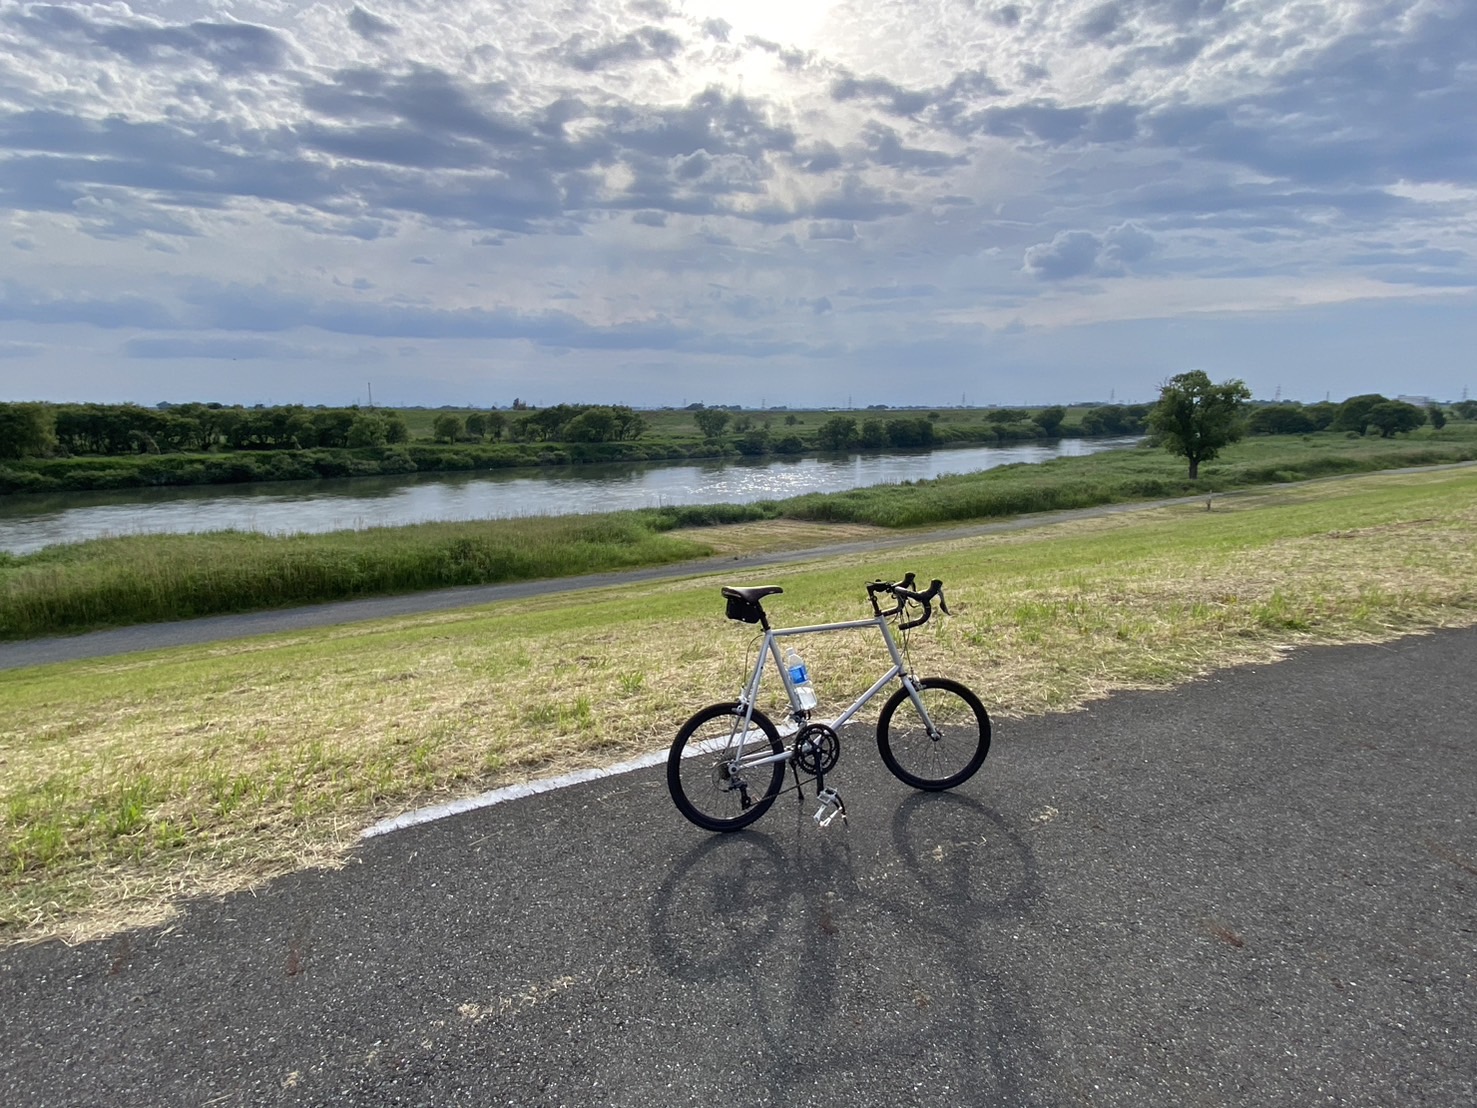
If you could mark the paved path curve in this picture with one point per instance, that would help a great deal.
(1259, 888)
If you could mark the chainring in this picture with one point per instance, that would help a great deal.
(817, 749)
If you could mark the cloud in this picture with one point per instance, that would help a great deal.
(1105, 22)
(836, 230)
(219, 348)
(887, 148)
(169, 169)
(235, 308)
(117, 213)
(1068, 254)
(895, 98)
(899, 292)
(946, 103)
(21, 304)
(1081, 253)
(1054, 125)
(232, 48)
(1373, 107)
(646, 43)
(369, 26)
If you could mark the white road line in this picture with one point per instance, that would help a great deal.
(509, 792)
(526, 788)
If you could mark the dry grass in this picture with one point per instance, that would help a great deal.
(133, 783)
(767, 536)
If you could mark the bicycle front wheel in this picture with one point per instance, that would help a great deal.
(706, 774)
(945, 749)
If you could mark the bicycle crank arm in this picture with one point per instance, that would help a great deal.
(830, 808)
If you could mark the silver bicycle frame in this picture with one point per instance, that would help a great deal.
(742, 731)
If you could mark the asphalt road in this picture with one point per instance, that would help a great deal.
(1258, 889)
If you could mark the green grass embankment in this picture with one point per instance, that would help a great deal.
(155, 578)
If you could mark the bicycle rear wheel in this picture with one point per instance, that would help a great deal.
(949, 753)
(707, 784)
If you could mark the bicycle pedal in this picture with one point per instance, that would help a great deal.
(830, 799)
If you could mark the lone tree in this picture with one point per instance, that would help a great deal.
(1050, 420)
(711, 421)
(1195, 418)
(1395, 416)
(446, 428)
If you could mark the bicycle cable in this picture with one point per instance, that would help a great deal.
(754, 644)
(904, 637)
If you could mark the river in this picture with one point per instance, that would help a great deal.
(29, 522)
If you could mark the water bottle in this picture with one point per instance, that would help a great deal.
(800, 680)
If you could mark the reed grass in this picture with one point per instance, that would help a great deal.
(151, 578)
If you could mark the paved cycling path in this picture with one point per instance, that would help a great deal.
(1260, 888)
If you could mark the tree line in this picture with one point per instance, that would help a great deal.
(560, 423)
(1195, 419)
(38, 430)
(1190, 410)
(42, 430)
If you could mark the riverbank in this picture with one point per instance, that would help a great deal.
(153, 578)
(33, 522)
(669, 436)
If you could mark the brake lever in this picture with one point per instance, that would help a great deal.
(935, 589)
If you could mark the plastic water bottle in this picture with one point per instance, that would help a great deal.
(800, 680)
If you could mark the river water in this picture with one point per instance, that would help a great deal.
(29, 522)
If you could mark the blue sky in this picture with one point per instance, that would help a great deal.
(767, 201)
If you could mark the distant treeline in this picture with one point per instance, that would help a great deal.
(65, 447)
(71, 430)
(1359, 415)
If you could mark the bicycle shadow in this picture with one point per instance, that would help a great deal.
(827, 966)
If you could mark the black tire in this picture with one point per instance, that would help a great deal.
(698, 774)
(946, 758)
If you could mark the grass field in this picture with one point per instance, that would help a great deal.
(152, 578)
(132, 783)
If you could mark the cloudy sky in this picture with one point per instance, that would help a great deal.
(735, 201)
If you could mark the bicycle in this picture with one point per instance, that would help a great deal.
(727, 764)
